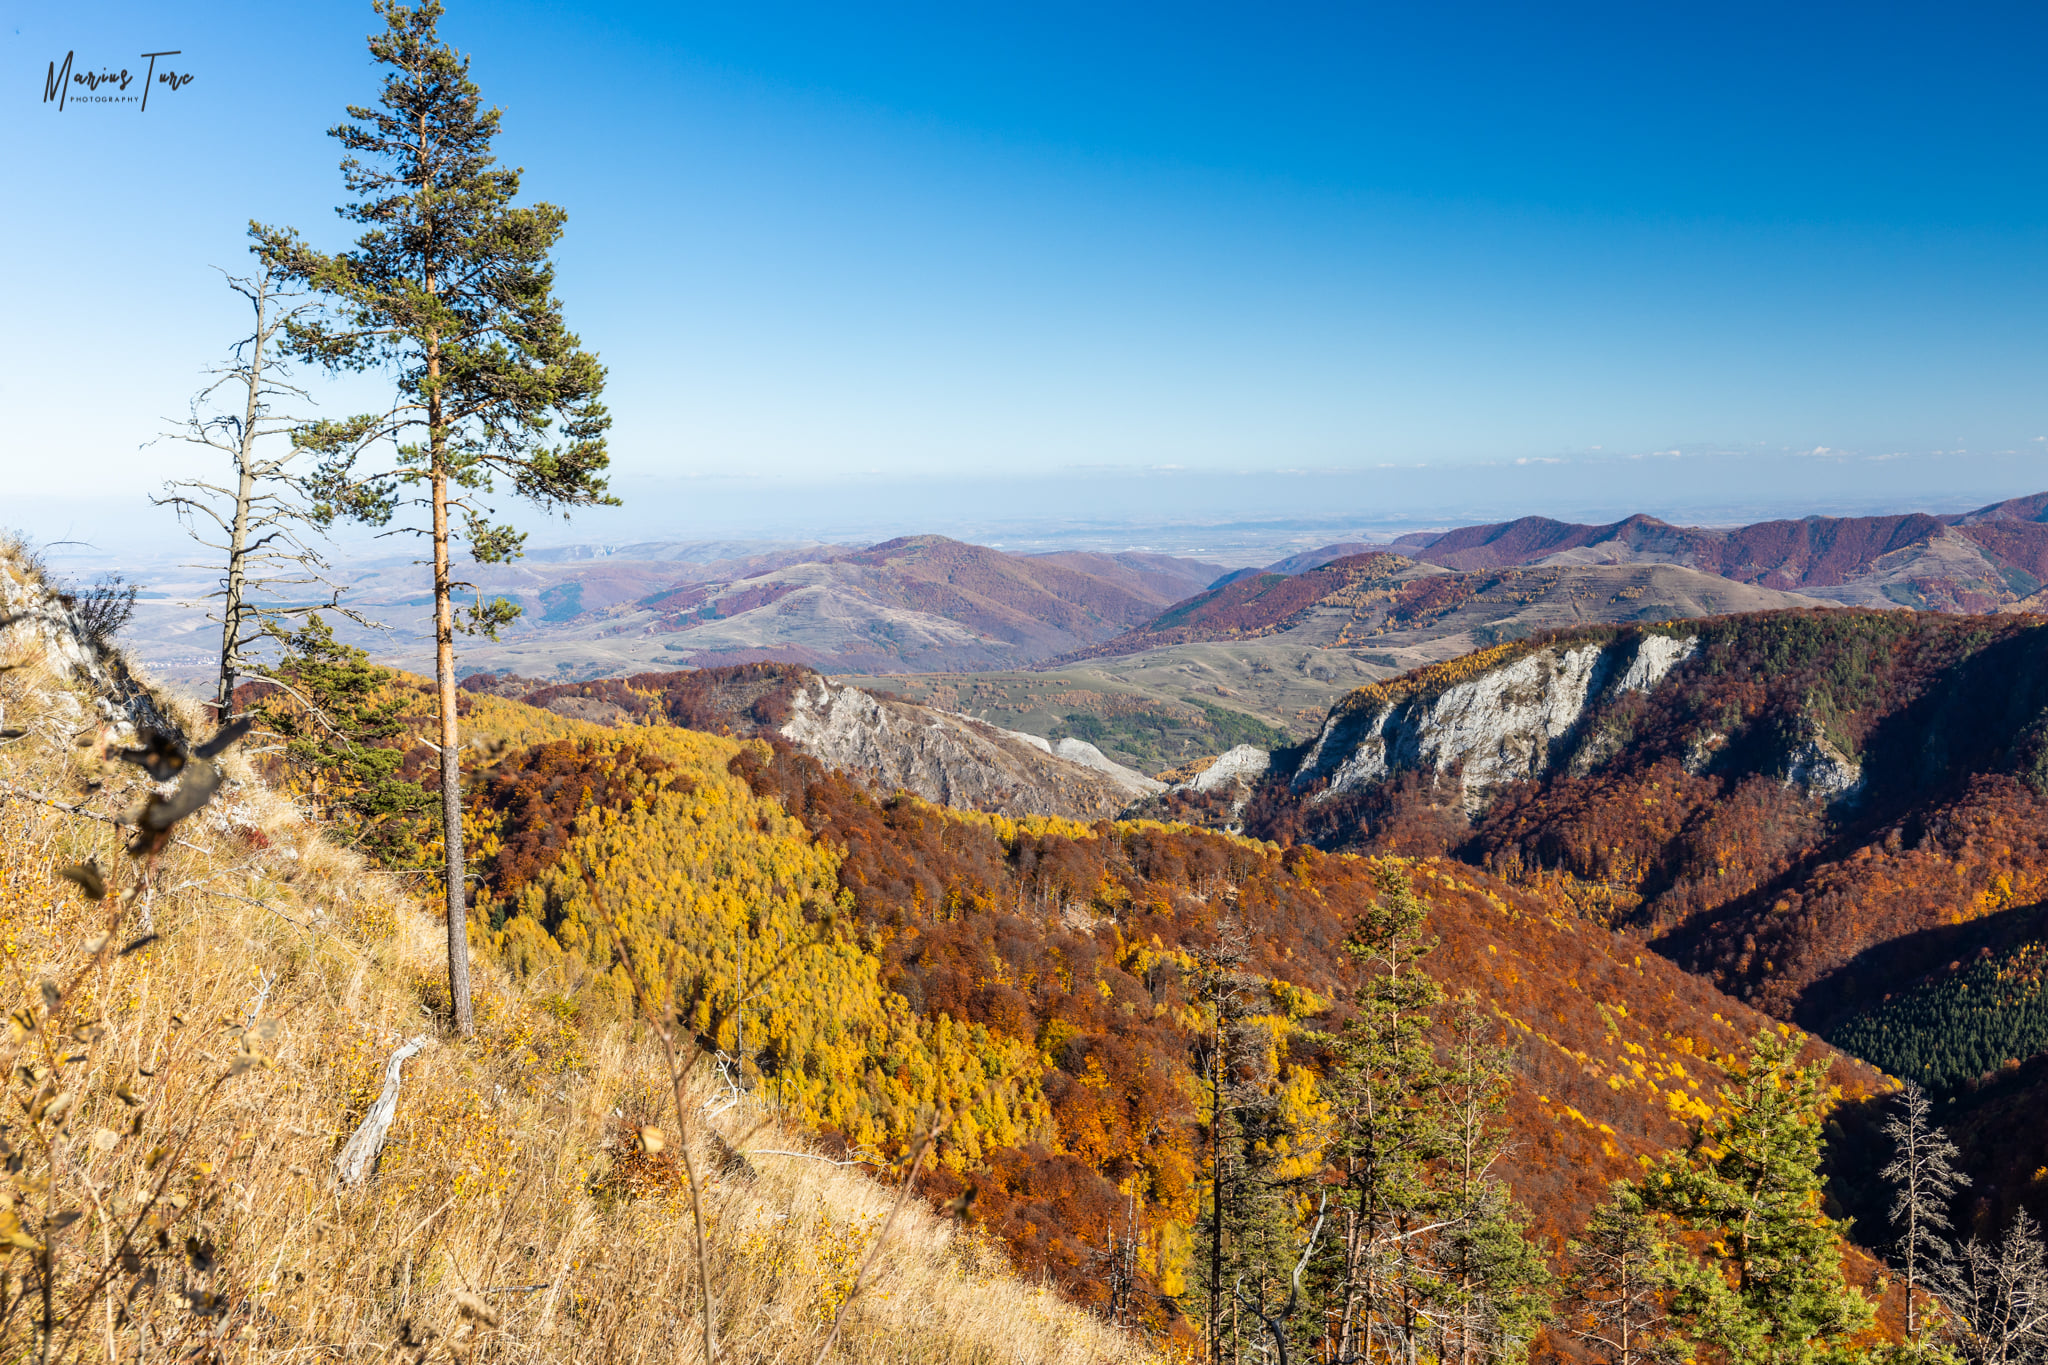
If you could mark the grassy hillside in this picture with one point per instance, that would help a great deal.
(186, 1061)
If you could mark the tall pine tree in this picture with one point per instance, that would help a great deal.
(1387, 1130)
(1491, 1284)
(1248, 1229)
(450, 289)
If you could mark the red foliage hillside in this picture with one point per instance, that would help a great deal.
(1263, 604)
(744, 699)
(1082, 944)
(998, 594)
(1532, 538)
(1689, 829)
(1612, 1035)
(1816, 552)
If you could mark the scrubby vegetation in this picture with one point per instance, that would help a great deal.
(1156, 737)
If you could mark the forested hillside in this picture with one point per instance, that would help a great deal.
(1052, 982)
(1836, 816)
(1063, 991)
(1380, 601)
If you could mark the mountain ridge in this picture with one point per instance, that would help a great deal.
(1998, 553)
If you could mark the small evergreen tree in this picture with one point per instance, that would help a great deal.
(1769, 1289)
(1387, 1129)
(1249, 1225)
(343, 727)
(449, 288)
(1492, 1284)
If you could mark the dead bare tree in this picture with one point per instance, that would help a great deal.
(259, 514)
(1924, 1178)
(2000, 1298)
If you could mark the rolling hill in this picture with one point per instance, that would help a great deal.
(1283, 643)
(1383, 601)
(1978, 561)
(925, 602)
(918, 603)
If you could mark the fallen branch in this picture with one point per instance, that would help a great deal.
(813, 1156)
(7, 789)
(359, 1157)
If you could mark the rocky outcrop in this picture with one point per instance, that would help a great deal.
(1241, 766)
(1517, 720)
(954, 760)
(1816, 765)
(1822, 771)
(37, 623)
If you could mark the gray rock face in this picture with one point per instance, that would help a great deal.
(1509, 724)
(1822, 771)
(1244, 765)
(1088, 756)
(37, 625)
(953, 760)
(1082, 752)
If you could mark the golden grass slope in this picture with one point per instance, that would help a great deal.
(507, 1217)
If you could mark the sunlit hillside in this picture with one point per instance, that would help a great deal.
(189, 1054)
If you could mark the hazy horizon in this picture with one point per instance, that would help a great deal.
(1235, 519)
(1462, 265)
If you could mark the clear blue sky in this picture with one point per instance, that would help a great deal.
(950, 240)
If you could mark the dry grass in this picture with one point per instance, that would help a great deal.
(512, 1217)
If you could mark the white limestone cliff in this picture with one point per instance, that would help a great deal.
(1517, 721)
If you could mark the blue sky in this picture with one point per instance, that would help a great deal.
(915, 245)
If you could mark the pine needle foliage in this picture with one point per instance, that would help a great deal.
(1619, 1273)
(345, 729)
(450, 289)
(1770, 1287)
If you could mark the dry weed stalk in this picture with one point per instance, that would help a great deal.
(881, 1238)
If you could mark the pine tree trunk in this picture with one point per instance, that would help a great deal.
(1216, 1193)
(451, 766)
